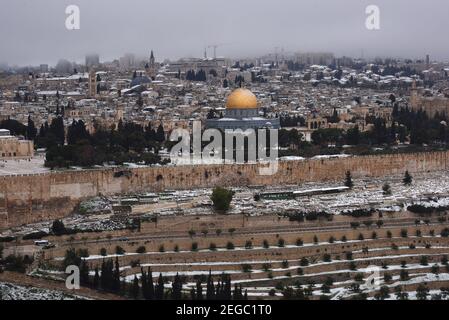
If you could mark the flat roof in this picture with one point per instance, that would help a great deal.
(5, 133)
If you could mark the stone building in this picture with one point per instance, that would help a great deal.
(431, 105)
(316, 122)
(13, 148)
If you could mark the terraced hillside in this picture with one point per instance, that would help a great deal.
(364, 258)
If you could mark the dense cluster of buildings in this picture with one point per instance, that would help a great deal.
(223, 93)
(130, 200)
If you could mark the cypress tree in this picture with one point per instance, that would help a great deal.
(109, 277)
(31, 130)
(348, 180)
(193, 294)
(149, 133)
(151, 293)
(116, 276)
(236, 292)
(106, 275)
(103, 276)
(227, 288)
(134, 292)
(176, 288)
(96, 279)
(210, 290)
(143, 279)
(57, 129)
(199, 290)
(42, 131)
(407, 179)
(160, 288)
(160, 134)
(84, 273)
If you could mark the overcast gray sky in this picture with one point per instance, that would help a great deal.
(33, 31)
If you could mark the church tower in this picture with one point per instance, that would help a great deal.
(152, 59)
(152, 66)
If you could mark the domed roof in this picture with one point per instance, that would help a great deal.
(241, 99)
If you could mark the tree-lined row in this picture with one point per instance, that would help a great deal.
(109, 278)
(130, 142)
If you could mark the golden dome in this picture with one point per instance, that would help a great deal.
(241, 99)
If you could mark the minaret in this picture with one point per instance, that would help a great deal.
(92, 83)
(119, 112)
(152, 66)
(151, 59)
(414, 95)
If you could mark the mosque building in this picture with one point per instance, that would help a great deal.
(242, 113)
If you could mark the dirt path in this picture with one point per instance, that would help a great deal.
(28, 281)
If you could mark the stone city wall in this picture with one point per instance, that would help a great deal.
(32, 198)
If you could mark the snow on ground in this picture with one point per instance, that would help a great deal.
(412, 295)
(23, 166)
(296, 266)
(10, 291)
(110, 256)
(96, 204)
(431, 189)
(342, 291)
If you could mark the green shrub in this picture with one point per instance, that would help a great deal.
(141, 249)
(265, 244)
(247, 268)
(221, 198)
(281, 243)
(230, 246)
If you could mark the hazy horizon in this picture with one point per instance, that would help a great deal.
(34, 32)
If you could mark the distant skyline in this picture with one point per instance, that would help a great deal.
(33, 32)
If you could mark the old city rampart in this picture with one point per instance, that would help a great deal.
(37, 197)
